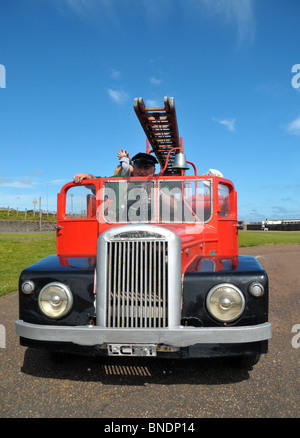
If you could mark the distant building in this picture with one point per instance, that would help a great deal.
(276, 225)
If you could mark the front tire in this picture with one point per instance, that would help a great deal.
(60, 357)
(246, 362)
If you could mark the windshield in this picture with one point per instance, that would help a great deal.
(163, 201)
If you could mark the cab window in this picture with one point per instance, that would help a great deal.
(81, 202)
(224, 200)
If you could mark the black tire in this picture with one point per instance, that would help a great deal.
(246, 362)
(60, 358)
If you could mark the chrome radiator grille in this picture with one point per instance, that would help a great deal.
(137, 283)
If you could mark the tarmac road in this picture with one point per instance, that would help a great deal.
(32, 386)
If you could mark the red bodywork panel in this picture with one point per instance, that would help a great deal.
(218, 236)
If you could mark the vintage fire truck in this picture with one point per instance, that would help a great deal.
(148, 266)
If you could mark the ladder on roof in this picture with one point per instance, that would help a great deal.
(161, 129)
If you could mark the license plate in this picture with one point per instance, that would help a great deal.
(131, 350)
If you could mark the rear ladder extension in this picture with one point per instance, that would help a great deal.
(161, 129)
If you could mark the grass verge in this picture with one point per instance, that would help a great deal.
(18, 251)
(259, 238)
(30, 215)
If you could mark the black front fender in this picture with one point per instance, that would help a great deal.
(206, 272)
(76, 272)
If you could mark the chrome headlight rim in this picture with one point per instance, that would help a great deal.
(242, 303)
(62, 295)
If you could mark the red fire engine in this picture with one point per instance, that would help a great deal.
(148, 266)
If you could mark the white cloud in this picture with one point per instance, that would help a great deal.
(155, 81)
(101, 12)
(230, 124)
(36, 171)
(294, 127)
(238, 13)
(60, 182)
(24, 183)
(115, 74)
(78, 6)
(118, 96)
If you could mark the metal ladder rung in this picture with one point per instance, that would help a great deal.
(161, 129)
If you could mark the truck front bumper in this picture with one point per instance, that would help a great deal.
(175, 337)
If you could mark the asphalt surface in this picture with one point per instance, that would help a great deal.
(34, 387)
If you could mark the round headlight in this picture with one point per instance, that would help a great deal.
(55, 300)
(256, 289)
(225, 302)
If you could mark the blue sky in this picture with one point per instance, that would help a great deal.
(73, 68)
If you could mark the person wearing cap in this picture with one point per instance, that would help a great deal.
(143, 165)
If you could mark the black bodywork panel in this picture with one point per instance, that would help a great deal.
(75, 272)
(204, 273)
